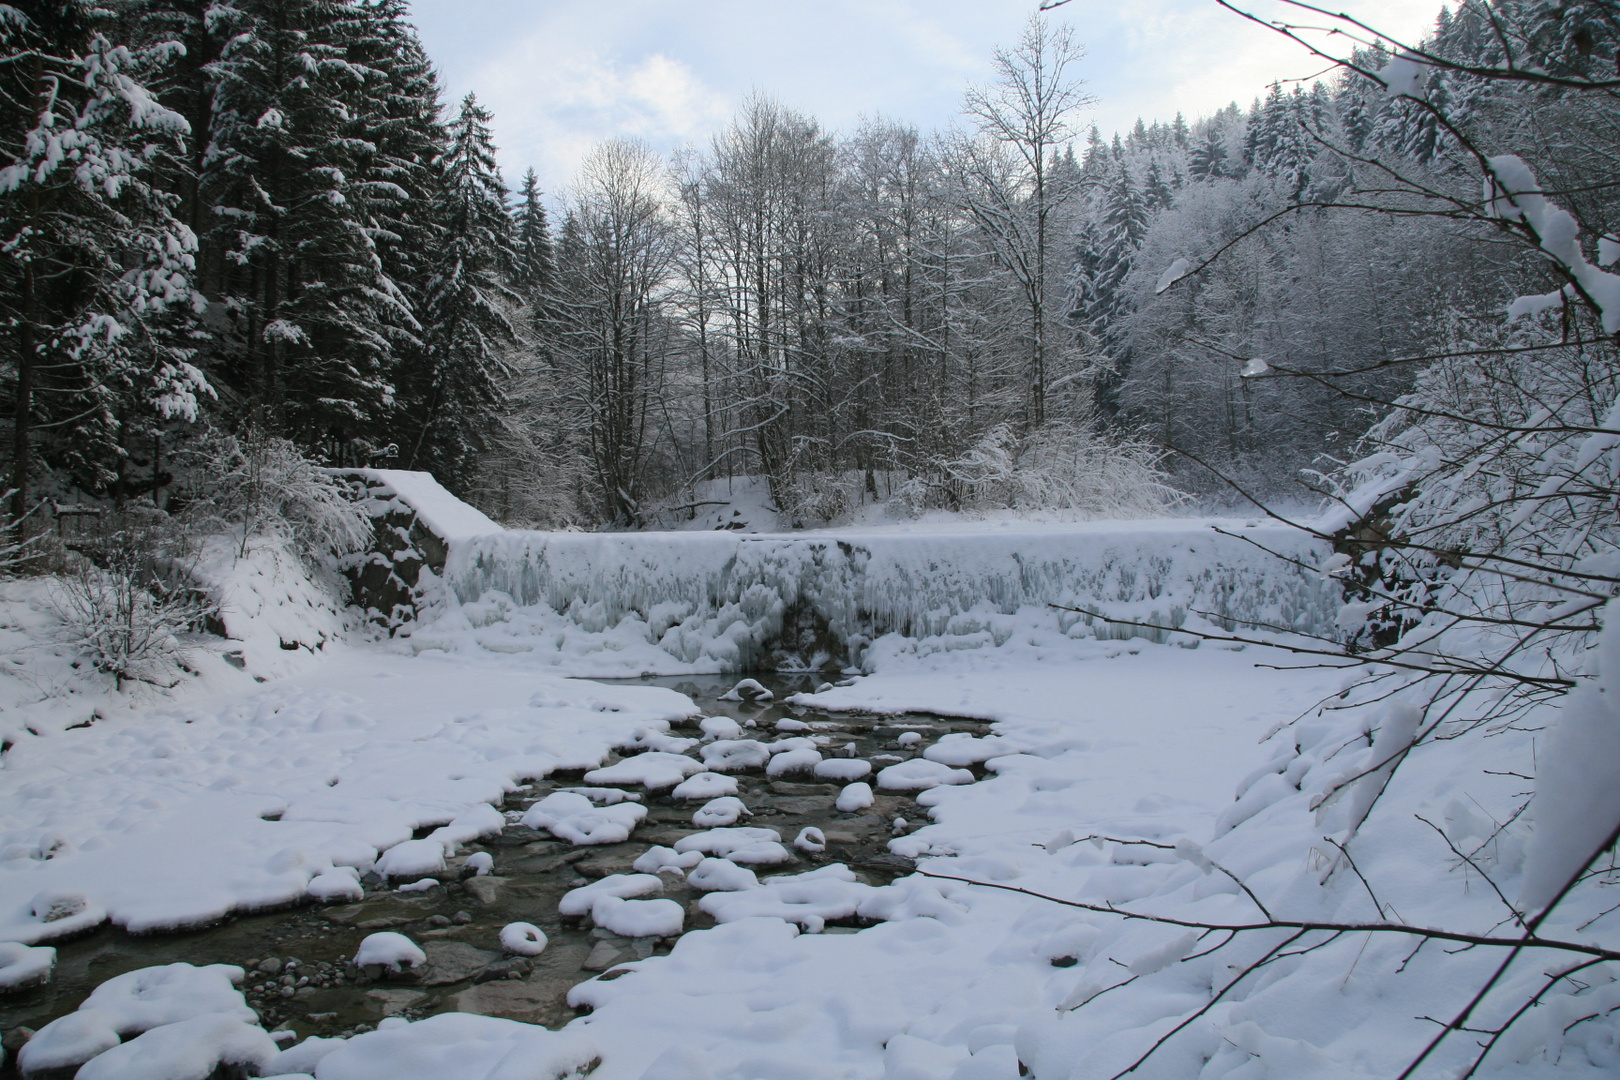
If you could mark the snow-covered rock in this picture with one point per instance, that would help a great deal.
(800, 760)
(654, 770)
(734, 755)
(750, 846)
(412, 859)
(705, 785)
(920, 774)
(577, 903)
(638, 918)
(458, 1045)
(25, 965)
(389, 949)
(842, 770)
(726, 810)
(579, 821)
(186, 1050)
(856, 796)
(523, 939)
(721, 875)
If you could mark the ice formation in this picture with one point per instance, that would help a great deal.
(671, 603)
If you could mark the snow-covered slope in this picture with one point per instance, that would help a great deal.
(671, 603)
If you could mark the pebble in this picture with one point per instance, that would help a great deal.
(438, 921)
(271, 966)
(461, 918)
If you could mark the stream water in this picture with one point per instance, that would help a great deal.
(299, 978)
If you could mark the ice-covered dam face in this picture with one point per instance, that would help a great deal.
(675, 603)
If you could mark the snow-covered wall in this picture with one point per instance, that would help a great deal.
(687, 602)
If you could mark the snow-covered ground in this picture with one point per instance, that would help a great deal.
(1157, 777)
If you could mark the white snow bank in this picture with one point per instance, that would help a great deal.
(444, 515)
(170, 814)
(24, 965)
(721, 875)
(188, 1050)
(462, 1046)
(134, 1002)
(270, 602)
(672, 603)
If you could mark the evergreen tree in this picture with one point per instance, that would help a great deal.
(455, 380)
(531, 238)
(311, 300)
(94, 260)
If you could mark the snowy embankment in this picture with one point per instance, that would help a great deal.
(166, 815)
(678, 603)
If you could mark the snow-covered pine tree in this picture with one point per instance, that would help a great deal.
(94, 258)
(531, 237)
(311, 302)
(454, 381)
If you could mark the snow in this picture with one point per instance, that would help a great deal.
(282, 783)
(748, 690)
(810, 839)
(799, 760)
(459, 1046)
(1119, 772)
(920, 774)
(676, 603)
(720, 727)
(725, 810)
(842, 770)
(653, 770)
(24, 965)
(705, 785)
(391, 950)
(269, 604)
(412, 859)
(135, 1002)
(523, 939)
(1576, 808)
(570, 816)
(638, 918)
(853, 797)
(188, 1050)
(721, 875)
(658, 859)
(742, 844)
(444, 515)
(725, 755)
(481, 863)
(577, 903)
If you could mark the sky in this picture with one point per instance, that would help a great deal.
(562, 75)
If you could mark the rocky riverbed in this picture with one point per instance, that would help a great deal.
(300, 978)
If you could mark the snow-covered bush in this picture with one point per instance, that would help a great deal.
(1065, 467)
(126, 599)
(257, 484)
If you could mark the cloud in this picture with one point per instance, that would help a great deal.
(560, 77)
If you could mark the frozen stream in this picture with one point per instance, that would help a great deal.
(299, 978)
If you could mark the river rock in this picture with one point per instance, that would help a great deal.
(604, 956)
(525, 1002)
(453, 962)
(394, 1002)
(484, 889)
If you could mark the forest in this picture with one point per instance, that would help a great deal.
(261, 217)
